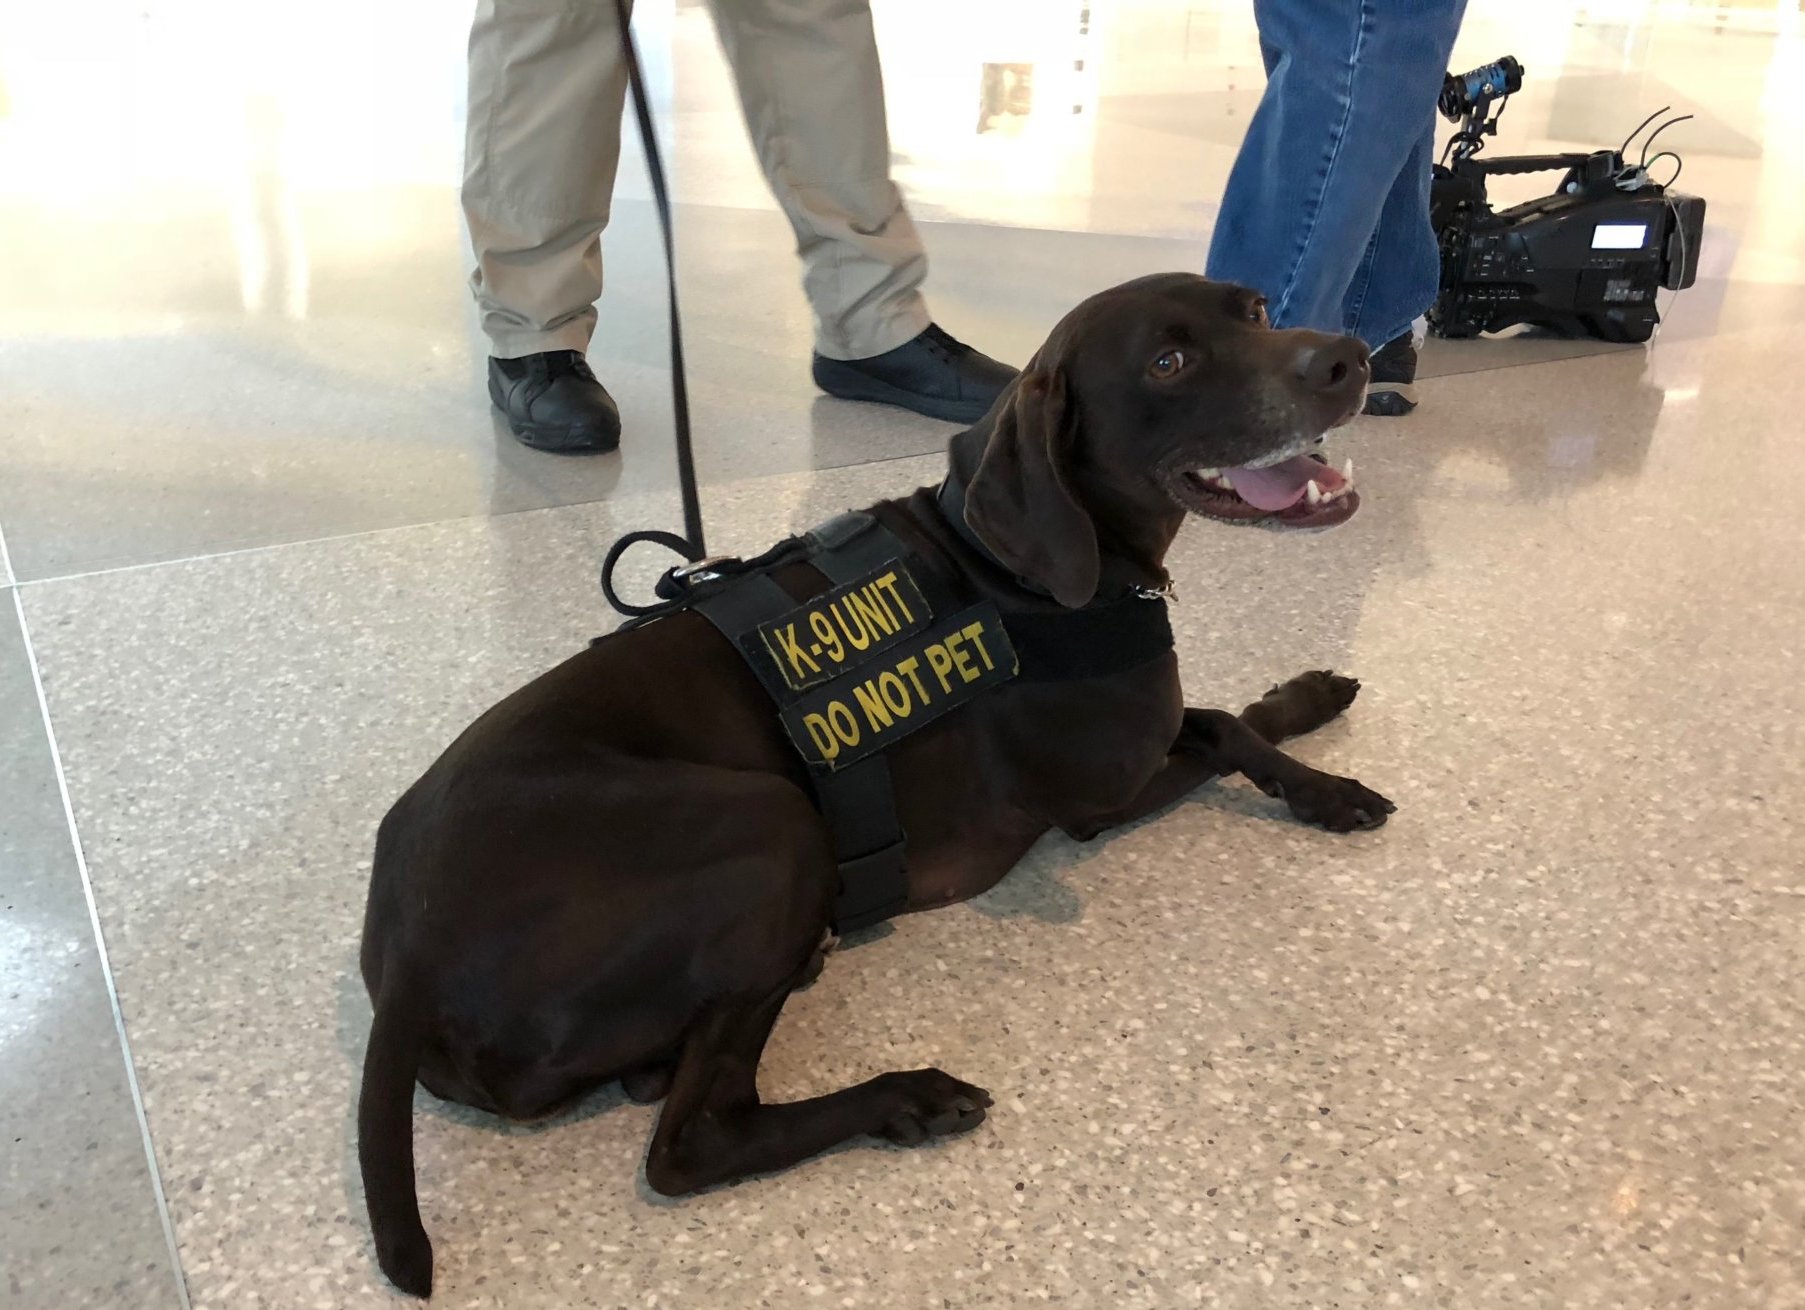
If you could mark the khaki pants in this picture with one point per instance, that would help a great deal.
(547, 90)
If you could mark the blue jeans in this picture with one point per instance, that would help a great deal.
(1327, 208)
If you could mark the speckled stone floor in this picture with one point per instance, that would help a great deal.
(1536, 1043)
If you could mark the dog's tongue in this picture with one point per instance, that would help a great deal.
(1277, 486)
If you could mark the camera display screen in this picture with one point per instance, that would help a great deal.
(1619, 236)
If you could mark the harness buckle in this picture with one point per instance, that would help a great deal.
(704, 570)
(677, 583)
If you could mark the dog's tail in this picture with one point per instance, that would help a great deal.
(385, 1138)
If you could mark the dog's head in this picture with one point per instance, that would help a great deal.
(1161, 396)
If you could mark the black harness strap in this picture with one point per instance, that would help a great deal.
(738, 609)
(1107, 636)
(1094, 642)
(858, 801)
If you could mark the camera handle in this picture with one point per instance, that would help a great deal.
(1596, 172)
(1528, 163)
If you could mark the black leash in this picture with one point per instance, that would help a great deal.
(690, 545)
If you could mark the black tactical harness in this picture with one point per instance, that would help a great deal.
(892, 645)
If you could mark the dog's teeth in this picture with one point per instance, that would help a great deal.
(1313, 493)
(1228, 483)
(1347, 470)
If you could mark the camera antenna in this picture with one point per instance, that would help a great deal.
(1639, 126)
(1657, 132)
(1678, 165)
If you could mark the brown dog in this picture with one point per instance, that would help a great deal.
(617, 872)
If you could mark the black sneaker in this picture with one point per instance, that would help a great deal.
(553, 402)
(1392, 391)
(934, 374)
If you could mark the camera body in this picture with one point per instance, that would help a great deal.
(1584, 261)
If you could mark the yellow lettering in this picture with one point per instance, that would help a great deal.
(821, 735)
(791, 646)
(888, 583)
(941, 663)
(840, 719)
(962, 660)
(825, 634)
(895, 694)
(907, 669)
(974, 633)
(872, 610)
(863, 639)
(873, 705)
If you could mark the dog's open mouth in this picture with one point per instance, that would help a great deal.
(1302, 492)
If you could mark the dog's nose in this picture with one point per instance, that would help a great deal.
(1330, 365)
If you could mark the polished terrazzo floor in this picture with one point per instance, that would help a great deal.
(1536, 1043)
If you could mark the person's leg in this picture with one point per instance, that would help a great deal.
(547, 85)
(1401, 269)
(812, 91)
(1396, 281)
(813, 95)
(1351, 85)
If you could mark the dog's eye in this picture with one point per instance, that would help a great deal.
(1256, 312)
(1168, 364)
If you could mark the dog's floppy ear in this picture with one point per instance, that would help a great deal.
(1020, 501)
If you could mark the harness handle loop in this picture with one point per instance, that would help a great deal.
(690, 551)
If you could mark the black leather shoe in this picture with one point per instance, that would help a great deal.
(1392, 391)
(553, 402)
(934, 374)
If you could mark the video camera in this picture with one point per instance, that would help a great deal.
(1586, 260)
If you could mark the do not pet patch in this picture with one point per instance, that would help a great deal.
(906, 686)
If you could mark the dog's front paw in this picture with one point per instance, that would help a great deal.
(1336, 689)
(928, 1103)
(1338, 804)
(1301, 705)
(1325, 690)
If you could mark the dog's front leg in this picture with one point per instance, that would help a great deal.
(1182, 773)
(1214, 743)
(1230, 745)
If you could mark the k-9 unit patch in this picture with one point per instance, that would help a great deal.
(907, 684)
(845, 627)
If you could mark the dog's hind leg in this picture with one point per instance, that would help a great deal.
(714, 1128)
(1301, 705)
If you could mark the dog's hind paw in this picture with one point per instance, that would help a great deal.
(929, 1103)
